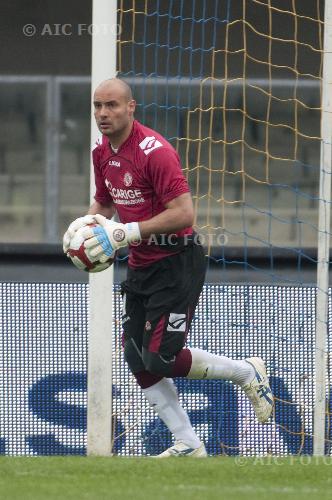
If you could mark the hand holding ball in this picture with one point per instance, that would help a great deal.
(78, 255)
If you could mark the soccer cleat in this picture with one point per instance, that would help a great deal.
(180, 449)
(259, 391)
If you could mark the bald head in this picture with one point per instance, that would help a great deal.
(116, 85)
(114, 109)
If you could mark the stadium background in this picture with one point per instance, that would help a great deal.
(26, 188)
(38, 200)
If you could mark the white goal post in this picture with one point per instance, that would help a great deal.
(99, 424)
(323, 239)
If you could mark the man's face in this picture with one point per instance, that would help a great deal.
(113, 112)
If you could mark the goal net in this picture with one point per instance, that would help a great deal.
(236, 87)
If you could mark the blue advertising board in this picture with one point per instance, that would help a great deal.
(43, 380)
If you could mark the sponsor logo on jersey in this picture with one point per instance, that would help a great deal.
(114, 163)
(124, 196)
(149, 144)
(128, 179)
(176, 322)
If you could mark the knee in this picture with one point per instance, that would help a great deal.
(157, 364)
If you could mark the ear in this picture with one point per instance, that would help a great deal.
(132, 106)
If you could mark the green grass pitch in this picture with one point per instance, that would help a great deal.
(75, 478)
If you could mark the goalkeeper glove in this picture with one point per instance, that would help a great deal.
(73, 227)
(102, 240)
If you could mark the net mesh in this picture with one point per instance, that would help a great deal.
(236, 87)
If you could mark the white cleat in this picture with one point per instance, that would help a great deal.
(180, 449)
(259, 390)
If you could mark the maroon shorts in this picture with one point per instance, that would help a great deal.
(158, 305)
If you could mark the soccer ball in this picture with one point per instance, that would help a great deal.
(79, 258)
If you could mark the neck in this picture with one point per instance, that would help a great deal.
(117, 141)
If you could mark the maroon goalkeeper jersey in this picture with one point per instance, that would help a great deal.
(143, 175)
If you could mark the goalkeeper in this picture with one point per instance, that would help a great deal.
(138, 175)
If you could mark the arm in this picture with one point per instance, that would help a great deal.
(106, 210)
(102, 242)
(163, 172)
(178, 215)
